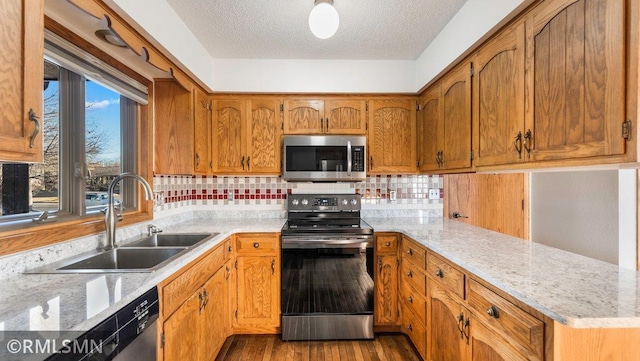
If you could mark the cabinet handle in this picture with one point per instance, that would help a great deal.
(380, 265)
(527, 140)
(197, 160)
(410, 274)
(517, 143)
(321, 126)
(273, 267)
(36, 131)
(439, 159)
(410, 299)
(205, 295)
(230, 249)
(388, 244)
(201, 298)
(440, 273)
(460, 320)
(410, 328)
(227, 272)
(256, 245)
(326, 122)
(493, 311)
(248, 163)
(242, 162)
(458, 215)
(410, 252)
(465, 329)
(371, 162)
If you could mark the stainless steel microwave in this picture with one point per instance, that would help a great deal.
(324, 158)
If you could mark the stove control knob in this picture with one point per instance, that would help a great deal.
(305, 202)
(354, 202)
(345, 202)
(295, 202)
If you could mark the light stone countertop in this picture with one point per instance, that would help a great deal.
(574, 290)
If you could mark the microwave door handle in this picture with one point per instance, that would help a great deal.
(349, 158)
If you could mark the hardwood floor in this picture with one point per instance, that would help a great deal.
(385, 347)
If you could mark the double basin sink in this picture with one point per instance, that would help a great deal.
(143, 255)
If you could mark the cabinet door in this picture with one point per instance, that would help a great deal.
(345, 116)
(182, 331)
(386, 285)
(445, 339)
(264, 134)
(456, 117)
(227, 134)
(303, 116)
(576, 78)
(231, 291)
(487, 346)
(21, 77)
(173, 128)
(214, 314)
(202, 131)
(258, 293)
(392, 136)
(431, 131)
(498, 93)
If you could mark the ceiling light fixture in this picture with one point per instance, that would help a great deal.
(324, 19)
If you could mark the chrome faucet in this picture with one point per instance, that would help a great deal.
(110, 216)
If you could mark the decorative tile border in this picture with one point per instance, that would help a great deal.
(412, 191)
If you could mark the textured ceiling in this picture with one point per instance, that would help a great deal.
(278, 29)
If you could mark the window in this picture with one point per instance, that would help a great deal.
(89, 135)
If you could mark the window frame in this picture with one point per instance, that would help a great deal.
(22, 236)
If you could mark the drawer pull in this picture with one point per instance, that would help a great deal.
(493, 312)
(256, 245)
(410, 328)
(440, 273)
(230, 249)
(410, 252)
(388, 244)
(410, 274)
(410, 299)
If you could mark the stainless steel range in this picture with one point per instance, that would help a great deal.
(327, 269)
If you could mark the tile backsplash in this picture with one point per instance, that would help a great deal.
(270, 192)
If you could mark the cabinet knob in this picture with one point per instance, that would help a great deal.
(440, 273)
(388, 244)
(256, 245)
(410, 274)
(410, 299)
(230, 249)
(409, 327)
(410, 252)
(493, 311)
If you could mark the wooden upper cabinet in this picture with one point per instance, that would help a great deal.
(392, 136)
(174, 152)
(456, 118)
(498, 98)
(576, 78)
(21, 77)
(303, 116)
(202, 131)
(227, 136)
(430, 129)
(246, 136)
(344, 116)
(325, 116)
(264, 135)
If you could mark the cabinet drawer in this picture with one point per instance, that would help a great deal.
(414, 300)
(386, 243)
(258, 243)
(446, 275)
(414, 276)
(520, 329)
(413, 253)
(228, 248)
(180, 288)
(415, 330)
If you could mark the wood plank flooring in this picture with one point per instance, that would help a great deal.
(385, 347)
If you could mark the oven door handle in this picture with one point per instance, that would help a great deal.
(349, 160)
(315, 242)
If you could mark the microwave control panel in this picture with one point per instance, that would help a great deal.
(357, 159)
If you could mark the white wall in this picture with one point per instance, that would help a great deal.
(322, 76)
(472, 22)
(586, 212)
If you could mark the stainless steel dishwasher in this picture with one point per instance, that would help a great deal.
(129, 334)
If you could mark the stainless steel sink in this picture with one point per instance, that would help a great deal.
(123, 260)
(171, 240)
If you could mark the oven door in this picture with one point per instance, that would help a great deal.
(327, 288)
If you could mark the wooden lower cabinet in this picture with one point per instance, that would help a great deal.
(386, 310)
(214, 313)
(258, 283)
(446, 318)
